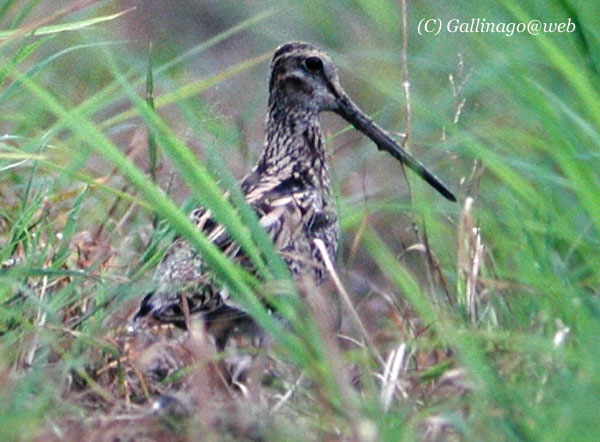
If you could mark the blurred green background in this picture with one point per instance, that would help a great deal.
(503, 289)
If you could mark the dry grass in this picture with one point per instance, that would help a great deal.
(477, 321)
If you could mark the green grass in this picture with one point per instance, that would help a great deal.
(490, 305)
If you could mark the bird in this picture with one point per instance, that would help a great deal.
(289, 188)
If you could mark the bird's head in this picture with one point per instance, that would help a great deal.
(304, 77)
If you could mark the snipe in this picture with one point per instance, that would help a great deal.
(289, 188)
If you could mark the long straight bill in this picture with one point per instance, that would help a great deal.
(353, 115)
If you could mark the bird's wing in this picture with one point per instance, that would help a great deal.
(182, 273)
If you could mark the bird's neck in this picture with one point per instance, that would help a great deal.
(295, 144)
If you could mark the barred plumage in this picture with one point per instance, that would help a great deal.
(289, 189)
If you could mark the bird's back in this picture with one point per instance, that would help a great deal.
(292, 199)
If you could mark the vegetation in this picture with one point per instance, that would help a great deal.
(477, 321)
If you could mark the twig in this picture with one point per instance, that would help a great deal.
(405, 82)
(51, 18)
(287, 394)
(347, 302)
(391, 374)
(40, 320)
(406, 89)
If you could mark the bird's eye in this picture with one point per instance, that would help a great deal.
(314, 64)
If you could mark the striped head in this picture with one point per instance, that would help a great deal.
(303, 75)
